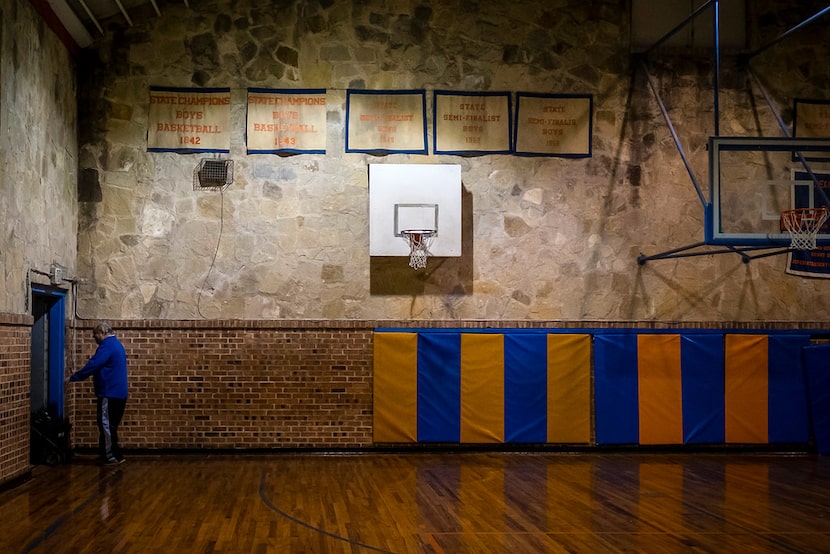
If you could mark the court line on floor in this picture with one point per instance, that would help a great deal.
(289, 517)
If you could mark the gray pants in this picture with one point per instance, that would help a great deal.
(109, 414)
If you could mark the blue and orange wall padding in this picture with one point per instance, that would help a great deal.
(601, 387)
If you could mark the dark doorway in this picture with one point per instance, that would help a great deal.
(49, 437)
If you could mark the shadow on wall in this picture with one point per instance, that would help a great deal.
(89, 187)
(390, 275)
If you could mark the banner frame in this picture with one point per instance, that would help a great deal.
(388, 92)
(478, 152)
(281, 151)
(210, 90)
(589, 147)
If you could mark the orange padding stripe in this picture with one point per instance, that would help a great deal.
(569, 388)
(482, 388)
(660, 389)
(747, 389)
(395, 387)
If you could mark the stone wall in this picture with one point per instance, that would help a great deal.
(549, 238)
(38, 201)
(38, 154)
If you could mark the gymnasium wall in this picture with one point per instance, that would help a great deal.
(543, 238)
(38, 201)
(281, 257)
(355, 385)
(38, 154)
(236, 385)
(15, 362)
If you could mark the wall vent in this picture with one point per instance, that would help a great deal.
(213, 174)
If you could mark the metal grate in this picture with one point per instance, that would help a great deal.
(213, 174)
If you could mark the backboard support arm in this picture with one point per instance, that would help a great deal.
(689, 252)
(673, 132)
(788, 32)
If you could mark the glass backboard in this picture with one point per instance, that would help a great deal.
(754, 179)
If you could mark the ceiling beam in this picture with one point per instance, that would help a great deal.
(91, 16)
(69, 30)
(124, 12)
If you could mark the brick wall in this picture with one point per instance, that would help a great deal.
(15, 362)
(235, 384)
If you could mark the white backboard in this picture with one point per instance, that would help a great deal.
(414, 196)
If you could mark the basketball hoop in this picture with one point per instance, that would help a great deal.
(419, 241)
(803, 225)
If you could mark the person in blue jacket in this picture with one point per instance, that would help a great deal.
(108, 368)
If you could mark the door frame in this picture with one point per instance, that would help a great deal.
(56, 300)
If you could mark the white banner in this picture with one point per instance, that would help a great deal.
(189, 120)
(386, 121)
(553, 125)
(290, 121)
(471, 123)
(812, 119)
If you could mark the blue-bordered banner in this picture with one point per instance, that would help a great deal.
(286, 121)
(553, 125)
(386, 121)
(471, 123)
(189, 120)
(816, 262)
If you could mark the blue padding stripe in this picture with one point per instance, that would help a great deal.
(525, 388)
(702, 376)
(615, 389)
(817, 365)
(439, 387)
(789, 419)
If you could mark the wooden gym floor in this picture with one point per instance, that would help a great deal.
(424, 502)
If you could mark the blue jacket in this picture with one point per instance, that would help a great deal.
(108, 367)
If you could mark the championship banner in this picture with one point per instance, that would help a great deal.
(286, 121)
(811, 263)
(811, 119)
(388, 121)
(553, 125)
(189, 120)
(471, 123)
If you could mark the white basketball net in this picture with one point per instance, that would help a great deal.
(419, 243)
(803, 225)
